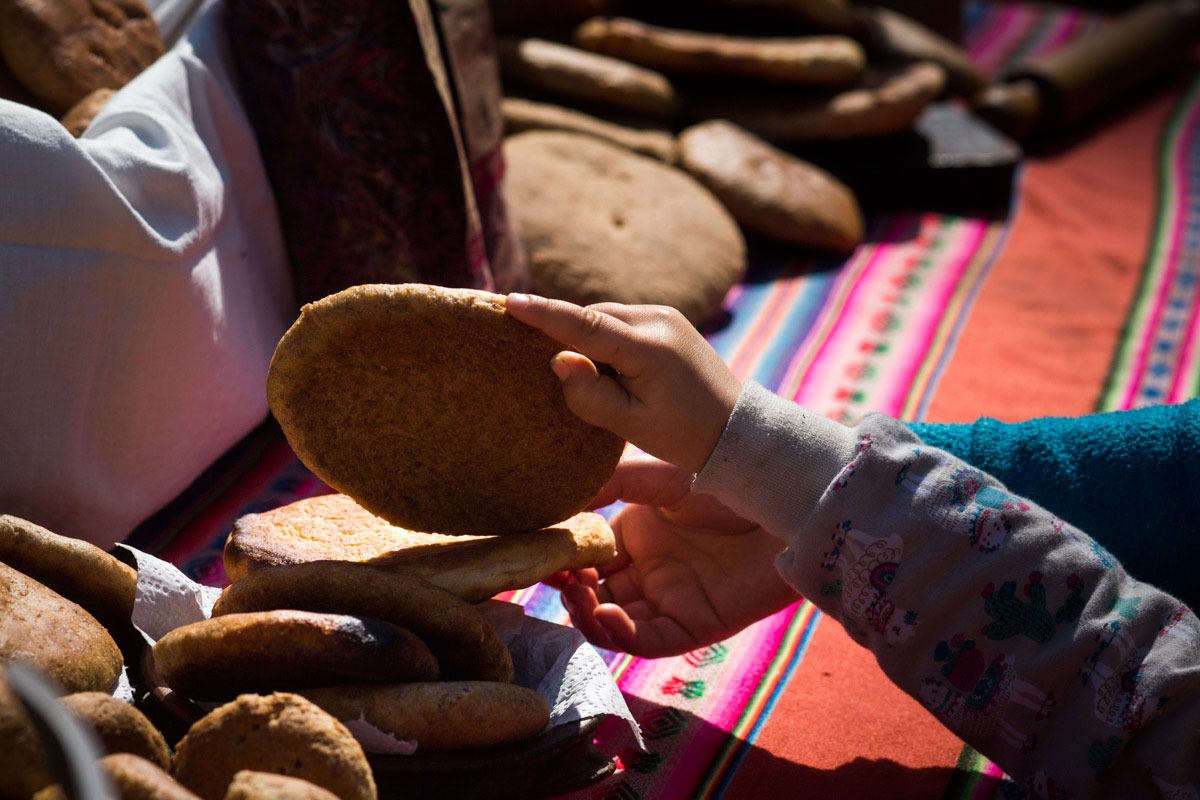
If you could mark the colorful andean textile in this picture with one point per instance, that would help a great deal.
(1079, 298)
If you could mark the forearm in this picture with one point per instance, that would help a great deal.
(1131, 479)
(1012, 627)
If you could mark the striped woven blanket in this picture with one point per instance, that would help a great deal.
(1081, 297)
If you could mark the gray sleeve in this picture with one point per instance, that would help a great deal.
(1017, 631)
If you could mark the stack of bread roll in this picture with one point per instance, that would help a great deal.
(615, 110)
(68, 57)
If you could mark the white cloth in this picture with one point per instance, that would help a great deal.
(143, 286)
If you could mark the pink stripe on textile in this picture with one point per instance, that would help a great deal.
(802, 369)
(867, 358)
(687, 706)
(931, 313)
(1187, 217)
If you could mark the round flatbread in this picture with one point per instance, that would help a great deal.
(600, 223)
(135, 778)
(282, 733)
(435, 410)
(251, 785)
(22, 763)
(120, 726)
(443, 715)
(464, 643)
(334, 527)
(217, 658)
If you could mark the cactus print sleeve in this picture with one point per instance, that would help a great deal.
(1016, 630)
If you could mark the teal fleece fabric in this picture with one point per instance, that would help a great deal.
(1129, 479)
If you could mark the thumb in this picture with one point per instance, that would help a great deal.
(593, 397)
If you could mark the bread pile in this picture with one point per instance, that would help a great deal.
(460, 473)
(68, 57)
(645, 138)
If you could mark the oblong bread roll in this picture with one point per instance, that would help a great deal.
(221, 657)
(888, 100)
(435, 410)
(442, 715)
(772, 192)
(54, 635)
(828, 60)
(335, 527)
(78, 570)
(465, 645)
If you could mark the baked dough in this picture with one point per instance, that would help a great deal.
(54, 635)
(464, 643)
(771, 192)
(601, 223)
(78, 570)
(334, 527)
(62, 50)
(120, 726)
(282, 733)
(435, 410)
(217, 658)
(444, 715)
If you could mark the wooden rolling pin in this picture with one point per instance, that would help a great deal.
(1054, 93)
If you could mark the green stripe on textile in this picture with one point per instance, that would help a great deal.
(758, 706)
(1137, 334)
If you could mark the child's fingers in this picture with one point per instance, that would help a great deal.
(599, 336)
(593, 397)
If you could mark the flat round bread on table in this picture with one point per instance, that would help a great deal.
(441, 715)
(334, 527)
(257, 651)
(465, 645)
(435, 410)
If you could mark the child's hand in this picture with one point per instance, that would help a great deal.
(688, 573)
(672, 393)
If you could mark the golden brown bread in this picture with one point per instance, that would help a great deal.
(78, 570)
(435, 410)
(334, 527)
(771, 192)
(252, 785)
(136, 778)
(281, 733)
(58, 637)
(61, 50)
(443, 715)
(643, 232)
(215, 659)
(120, 726)
(464, 643)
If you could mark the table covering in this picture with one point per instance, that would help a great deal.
(1079, 297)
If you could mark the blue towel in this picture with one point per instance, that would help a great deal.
(1130, 479)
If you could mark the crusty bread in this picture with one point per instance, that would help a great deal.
(120, 726)
(334, 527)
(436, 410)
(136, 778)
(280, 732)
(464, 643)
(249, 784)
(441, 715)
(217, 658)
(58, 637)
(63, 49)
(78, 570)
